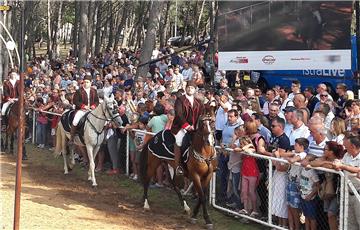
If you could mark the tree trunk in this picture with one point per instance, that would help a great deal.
(91, 11)
(8, 21)
(121, 24)
(111, 28)
(93, 28)
(183, 35)
(198, 22)
(162, 26)
(49, 45)
(98, 29)
(210, 52)
(76, 29)
(57, 34)
(83, 35)
(128, 23)
(149, 43)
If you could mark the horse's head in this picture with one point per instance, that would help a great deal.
(111, 108)
(206, 126)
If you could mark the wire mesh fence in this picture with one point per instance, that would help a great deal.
(278, 198)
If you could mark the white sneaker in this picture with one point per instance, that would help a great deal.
(254, 214)
(135, 177)
(244, 212)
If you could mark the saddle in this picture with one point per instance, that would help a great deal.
(67, 119)
(162, 146)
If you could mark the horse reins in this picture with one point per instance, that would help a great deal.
(94, 128)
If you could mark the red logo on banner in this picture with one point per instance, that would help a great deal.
(268, 59)
(240, 60)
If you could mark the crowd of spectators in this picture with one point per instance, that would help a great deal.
(309, 126)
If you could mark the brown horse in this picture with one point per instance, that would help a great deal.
(199, 167)
(12, 126)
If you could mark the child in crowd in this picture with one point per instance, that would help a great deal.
(132, 147)
(249, 177)
(309, 186)
(292, 190)
(139, 144)
(234, 166)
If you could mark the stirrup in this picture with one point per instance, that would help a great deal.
(179, 171)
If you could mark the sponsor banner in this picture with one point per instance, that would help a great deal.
(285, 60)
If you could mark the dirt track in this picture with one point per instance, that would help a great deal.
(52, 200)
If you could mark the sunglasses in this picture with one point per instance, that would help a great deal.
(323, 95)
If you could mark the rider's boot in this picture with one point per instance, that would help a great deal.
(178, 169)
(72, 134)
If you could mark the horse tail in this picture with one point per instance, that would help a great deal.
(144, 162)
(59, 139)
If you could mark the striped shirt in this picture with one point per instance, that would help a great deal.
(315, 149)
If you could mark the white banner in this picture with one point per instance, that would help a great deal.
(285, 60)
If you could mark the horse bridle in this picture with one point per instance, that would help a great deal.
(205, 118)
(199, 157)
(104, 113)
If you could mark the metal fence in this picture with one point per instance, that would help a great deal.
(265, 186)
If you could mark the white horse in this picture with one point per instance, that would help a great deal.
(94, 134)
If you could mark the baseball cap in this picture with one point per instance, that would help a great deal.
(289, 109)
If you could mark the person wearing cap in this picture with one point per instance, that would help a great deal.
(284, 96)
(84, 99)
(288, 111)
(311, 98)
(187, 112)
(11, 92)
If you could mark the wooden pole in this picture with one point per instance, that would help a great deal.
(21, 126)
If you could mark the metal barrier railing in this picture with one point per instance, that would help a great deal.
(269, 221)
(345, 183)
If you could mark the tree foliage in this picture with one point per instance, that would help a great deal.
(112, 23)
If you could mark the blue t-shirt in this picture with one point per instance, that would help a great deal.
(228, 132)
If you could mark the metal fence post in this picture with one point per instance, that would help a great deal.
(346, 202)
(127, 152)
(342, 191)
(33, 127)
(270, 192)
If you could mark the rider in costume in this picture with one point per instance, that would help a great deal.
(11, 91)
(187, 112)
(85, 99)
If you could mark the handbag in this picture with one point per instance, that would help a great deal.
(327, 190)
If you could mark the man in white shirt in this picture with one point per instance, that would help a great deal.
(288, 112)
(295, 89)
(299, 128)
(322, 90)
(178, 78)
(187, 72)
(270, 97)
(221, 114)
